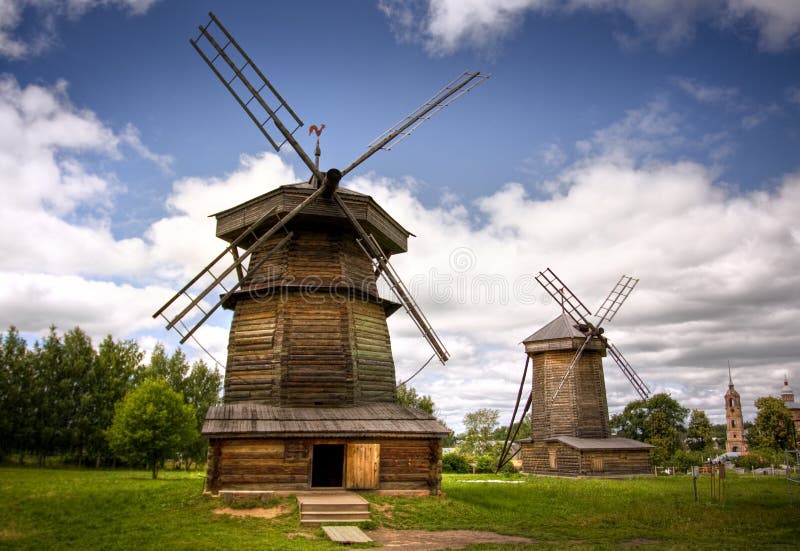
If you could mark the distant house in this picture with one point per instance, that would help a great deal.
(787, 395)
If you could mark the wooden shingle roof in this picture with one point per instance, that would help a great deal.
(560, 334)
(598, 444)
(247, 419)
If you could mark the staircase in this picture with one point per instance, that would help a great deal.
(332, 507)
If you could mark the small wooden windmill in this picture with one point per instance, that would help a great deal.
(310, 396)
(569, 420)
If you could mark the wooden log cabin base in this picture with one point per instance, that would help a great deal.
(383, 447)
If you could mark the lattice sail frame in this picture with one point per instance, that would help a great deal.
(579, 313)
(210, 37)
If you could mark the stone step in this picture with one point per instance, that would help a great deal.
(334, 507)
(316, 508)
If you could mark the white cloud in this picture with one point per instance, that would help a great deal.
(43, 15)
(132, 138)
(706, 93)
(445, 26)
(760, 115)
(719, 269)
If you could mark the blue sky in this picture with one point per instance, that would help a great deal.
(658, 140)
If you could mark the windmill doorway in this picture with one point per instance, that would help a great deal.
(327, 466)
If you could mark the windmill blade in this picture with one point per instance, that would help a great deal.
(456, 88)
(577, 357)
(228, 292)
(564, 296)
(263, 84)
(375, 252)
(506, 445)
(615, 298)
(505, 458)
(633, 377)
(236, 265)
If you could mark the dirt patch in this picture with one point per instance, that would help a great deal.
(426, 540)
(306, 535)
(257, 512)
(637, 542)
(386, 509)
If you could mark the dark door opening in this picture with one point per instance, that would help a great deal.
(327, 466)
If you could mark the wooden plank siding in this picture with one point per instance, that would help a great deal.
(308, 327)
(537, 459)
(285, 464)
(580, 409)
(362, 466)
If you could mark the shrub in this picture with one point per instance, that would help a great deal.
(485, 464)
(759, 458)
(455, 463)
(682, 460)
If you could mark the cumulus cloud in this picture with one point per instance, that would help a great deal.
(718, 268)
(45, 15)
(444, 26)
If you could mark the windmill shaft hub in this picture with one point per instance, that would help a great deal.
(331, 183)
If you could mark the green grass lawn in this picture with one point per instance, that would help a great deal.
(83, 509)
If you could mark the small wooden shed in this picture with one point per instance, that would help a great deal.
(369, 447)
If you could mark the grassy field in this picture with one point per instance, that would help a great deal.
(81, 509)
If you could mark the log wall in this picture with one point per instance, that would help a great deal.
(537, 459)
(580, 409)
(307, 328)
(285, 464)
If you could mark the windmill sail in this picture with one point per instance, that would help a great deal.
(617, 296)
(262, 103)
(564, 296)
(237, 265)
(375, 252)
(456, 88)
(633, 377)
(239, 72)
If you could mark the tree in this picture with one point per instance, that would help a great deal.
(80, 385)
(699, 433)
(115, 370)
(151, 423)
(17, 410)
(407, 396)
(773, 427)
(172, 369)
(657, 421)
(480, 426)
(524, 430)
(201, 390)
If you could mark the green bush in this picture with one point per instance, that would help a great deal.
(455, 463)
(683, 460)
(485, 464)
(758, 458)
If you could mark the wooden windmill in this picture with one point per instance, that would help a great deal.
(569, 420)
(310, 397)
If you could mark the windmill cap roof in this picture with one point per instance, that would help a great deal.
(563, 327)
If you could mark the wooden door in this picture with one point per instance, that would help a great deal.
(362, 466)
